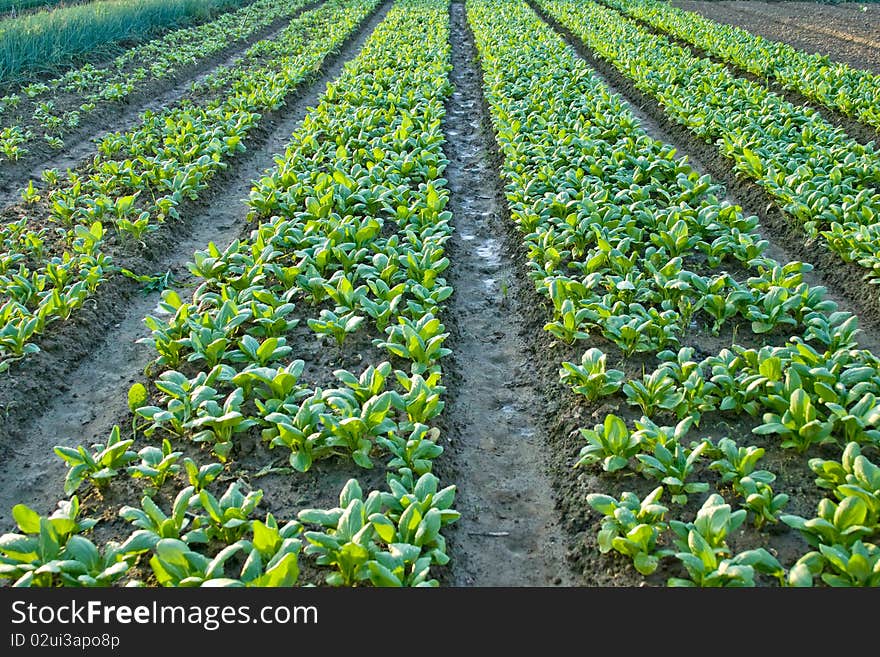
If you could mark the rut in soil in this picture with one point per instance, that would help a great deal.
(91, 397)
(508, 534)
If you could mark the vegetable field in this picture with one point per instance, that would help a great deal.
(429, 292)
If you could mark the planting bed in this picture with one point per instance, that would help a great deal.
(417, 292)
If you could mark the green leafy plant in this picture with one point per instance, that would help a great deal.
(858, 565)
(217, 424)
(339, 326)
(632, 527)
(611, 443)
(835, 524)
(416, 451)
(155, 524)
(673, 467)
(200, 476)
(419, 342)
(151, 283)
(157, 463)
(50, 551)
(707, 569)
(759, 498)
(714, 522)
(591, 378)
(656, 392)
(344, 544)
(799, 426)
(99, 466)
(229, 517)
(737, 462)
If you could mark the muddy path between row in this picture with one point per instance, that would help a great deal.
(509, 532)
(856, 130)
(73, 390)
(844, 32)
(788, 242)
(155, 96)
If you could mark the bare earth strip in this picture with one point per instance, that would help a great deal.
(509, 533)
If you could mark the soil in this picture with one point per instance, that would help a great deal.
(85, 365)
(108, 116)
(845, 32)
(509, 533)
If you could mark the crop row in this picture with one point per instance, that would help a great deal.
(835, 85)
(142, 176)
(28, 115)
(628, 241)
(352, 218)
(816, 173)
(44, 40)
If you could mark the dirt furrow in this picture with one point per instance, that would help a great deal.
(787, 239)
(509, 533)
(114, 117)
(80, 378)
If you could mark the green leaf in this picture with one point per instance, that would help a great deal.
(851, 511)
(137, 396)
(386, 529)
(381, 576)
(645, 563)
(26, 518)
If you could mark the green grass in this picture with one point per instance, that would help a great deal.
(46, 40)
(7, 6)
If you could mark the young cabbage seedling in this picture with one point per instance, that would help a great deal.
(99, 466)
(51, 551)
(714, 522)
(228, 518)
(800, 426)
(707, 569)
(835, 524)
(673, 467)
(632, 526)
(611, 443)
(201, 476)
(591, 378)
(155, 524)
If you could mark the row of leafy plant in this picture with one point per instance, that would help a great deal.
(815, 172)
(352, 217)
(50, 110)
(838, 86)
(46, 40)
(627, 241)
(54, 259)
